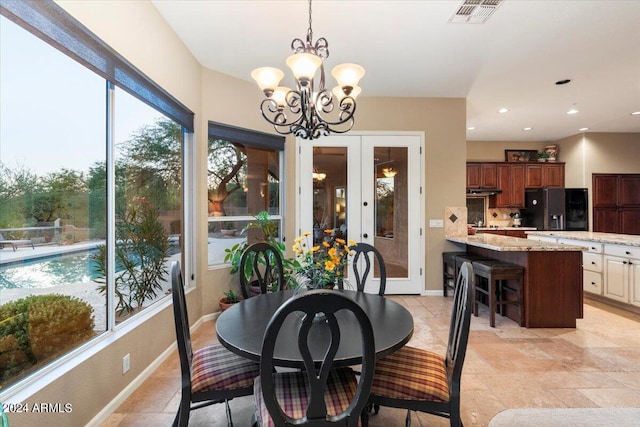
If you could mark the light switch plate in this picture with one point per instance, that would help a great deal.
(436, 223)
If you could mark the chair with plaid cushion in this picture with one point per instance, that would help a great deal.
(261, 270)
(363, 250)
(319, 395)
(210, 375)
(419, 380)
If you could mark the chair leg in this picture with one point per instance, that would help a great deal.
(229, 420)
(492, 303)
(364, 415)
(407, 422)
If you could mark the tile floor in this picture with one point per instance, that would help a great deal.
(595, 365)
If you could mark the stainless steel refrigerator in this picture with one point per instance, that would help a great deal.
(556, 209)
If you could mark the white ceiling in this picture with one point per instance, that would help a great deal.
(409, 49)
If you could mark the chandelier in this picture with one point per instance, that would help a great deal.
(310, 110)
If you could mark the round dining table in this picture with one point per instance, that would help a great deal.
(241, 329)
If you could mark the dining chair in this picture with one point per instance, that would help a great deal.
(362, 250)
(211, 374)
(260, 270)
(420, 380)
(319, 394)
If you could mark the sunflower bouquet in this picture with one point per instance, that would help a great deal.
(321, 266)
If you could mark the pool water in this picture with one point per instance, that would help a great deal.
(49, 272)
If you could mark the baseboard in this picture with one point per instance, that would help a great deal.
(432, 293)
(144, 375)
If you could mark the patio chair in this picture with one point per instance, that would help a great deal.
(419, 380)
(321, 394)
(15, 242)
(210, 375)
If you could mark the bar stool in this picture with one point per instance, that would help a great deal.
(497, 273)
(449, 270)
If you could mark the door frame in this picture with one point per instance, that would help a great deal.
(421, 203)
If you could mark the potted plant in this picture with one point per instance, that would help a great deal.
(268, 234)
(228, 300)
(542, 156)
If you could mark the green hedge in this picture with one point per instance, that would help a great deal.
(38, 328)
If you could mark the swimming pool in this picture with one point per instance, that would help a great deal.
(49, 271)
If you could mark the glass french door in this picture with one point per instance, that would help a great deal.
(366, 188)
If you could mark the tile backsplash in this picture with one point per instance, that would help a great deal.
(500, 217)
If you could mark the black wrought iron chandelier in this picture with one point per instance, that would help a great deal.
(309, 111)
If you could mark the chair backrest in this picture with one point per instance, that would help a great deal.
(261, 264)
(310, 303)
(181, 318)
(362, 250)
(459, 328)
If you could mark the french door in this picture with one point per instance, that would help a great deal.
(367, 188)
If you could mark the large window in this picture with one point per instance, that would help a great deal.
(243, 179)
(91, 188)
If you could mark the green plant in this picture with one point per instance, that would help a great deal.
(323, 265)
(542, 155)
(36, 328)
(141, 251)
(268, 230)
(231, 296)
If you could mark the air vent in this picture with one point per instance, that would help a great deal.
(475, 11)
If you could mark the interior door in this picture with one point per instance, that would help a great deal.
(367, 188)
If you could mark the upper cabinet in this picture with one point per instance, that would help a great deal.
(511, 182)
(616, 203)
(482, 175)
(540, 175)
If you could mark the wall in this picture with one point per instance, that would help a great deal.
(137, 31)
(493, 151)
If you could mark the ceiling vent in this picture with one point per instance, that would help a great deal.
(475, 11)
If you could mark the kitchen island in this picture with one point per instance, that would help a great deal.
(552, 285)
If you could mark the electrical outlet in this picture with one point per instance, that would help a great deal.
(436, 223)
(126, 363)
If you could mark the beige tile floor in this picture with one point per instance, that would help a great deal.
(595, 365)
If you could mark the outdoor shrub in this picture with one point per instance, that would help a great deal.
(38, 327)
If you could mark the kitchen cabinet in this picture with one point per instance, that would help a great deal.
(592, 264)
(540, 175)
(482, 175)
(511, 182)
(622, 273)
(616, 203)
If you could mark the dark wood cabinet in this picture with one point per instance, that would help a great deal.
(511, 182)
(616, 203)
(482, 175)
(539, 175)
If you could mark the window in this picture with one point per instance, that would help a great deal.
(92, 226)
(243, 179)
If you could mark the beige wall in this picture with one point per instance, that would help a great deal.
(493, 151)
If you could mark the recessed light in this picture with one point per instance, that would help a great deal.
(572, 110)
(583, 129)
(471, 128)
(503, 110)
(563, 82)
(636, 113)
(527, 129)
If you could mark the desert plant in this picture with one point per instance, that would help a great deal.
(231, 297)
(39, 327)
(141, 251)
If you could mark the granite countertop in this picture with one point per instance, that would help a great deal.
(612, 238)
(505, 228)
(514, 244)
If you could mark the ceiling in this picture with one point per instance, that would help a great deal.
(409, 49)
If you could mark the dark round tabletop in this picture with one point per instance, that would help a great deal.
(241, 329)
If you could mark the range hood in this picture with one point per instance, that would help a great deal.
(483, 191)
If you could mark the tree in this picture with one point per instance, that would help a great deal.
(225, 163)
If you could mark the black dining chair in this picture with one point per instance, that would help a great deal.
(362, 251)
(420, 380)
(210, 375)
(260, 270)
(320, 395)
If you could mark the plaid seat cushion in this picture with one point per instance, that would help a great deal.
(291, 393)
(411, 374)
(216, 368)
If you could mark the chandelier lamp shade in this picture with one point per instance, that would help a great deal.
(309, 110)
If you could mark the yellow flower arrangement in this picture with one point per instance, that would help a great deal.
(321, 266)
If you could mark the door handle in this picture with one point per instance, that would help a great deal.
(365, 235)
(365, 204)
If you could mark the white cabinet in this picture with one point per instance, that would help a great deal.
(622, 273)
